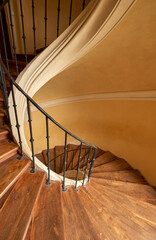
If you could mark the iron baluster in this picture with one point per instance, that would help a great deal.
(60, 163)
(24, 37)
(13, 39)
(70, 13)
(34, 28)
(90, 150)
(48, 152)
(31, 135)
(5, 96)
(78, 165)
(16, 118)
(4, 42)
(92, 164)
(45, 18)
(83, 4)
(84, 160)
(73, 159)
(65, 162)
(58, 17)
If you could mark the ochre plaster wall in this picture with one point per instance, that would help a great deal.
(124, 61)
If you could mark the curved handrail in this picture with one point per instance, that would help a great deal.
(41, 109)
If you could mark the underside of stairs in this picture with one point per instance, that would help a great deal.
(117, 202)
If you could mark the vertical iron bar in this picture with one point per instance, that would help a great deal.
(84, 160)
(90, 150)
(5, 96)
(78, 169)
(48, 153)
(31, 135)
(45, 18)
(60, 163)
(65, 162)
(72, 159)
(34, 28)
(83, 5)
(16, 118)
(58, 17)
(4, 42)
(13, 38)
(70, 13)
(24, 37)
(92, 164)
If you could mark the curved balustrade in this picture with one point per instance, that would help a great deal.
(93, 24)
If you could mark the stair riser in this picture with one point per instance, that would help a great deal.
(4, 136)
(8, 155)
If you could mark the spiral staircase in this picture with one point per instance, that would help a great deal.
(112, 201)
(117, 202)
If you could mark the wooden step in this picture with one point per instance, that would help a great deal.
(16, 213)
(40, 156)
(140, 209)
(71, 155)
(47, 220)
(102, 221)
(7, 149)
(10, 171)
(76, 158)
(138, 191)
(116, 165)
(126, 222)
(1, 101)
(76, 221)
(104, 158)
(132, 176)
(4, 133)
(59, 160)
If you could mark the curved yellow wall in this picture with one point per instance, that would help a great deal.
(124, 61)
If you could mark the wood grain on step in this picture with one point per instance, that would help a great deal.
(138, 191)
(4, 133)
(102, 221)
(132, 176)
(59, 160)
(121, 218)
(76, 221)
(70, 154)
(141, 209)
(7, 149)
(10, 170)
(47, 221)
(16, 213)
(104, 158)
(116, 165)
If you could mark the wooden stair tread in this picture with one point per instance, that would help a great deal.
(100, 219)
(125, 175)
(139, 191)
(10, 170)
(40, 156)
(76, 221)
(116, 165)
(4, 133)
(76, 158)
(104, 158)
(70, 154)
(124, 220)
(16, 213)
(141, 209)
(47, 220)
(59, 160)
(7, 149)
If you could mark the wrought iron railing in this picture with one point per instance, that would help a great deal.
(5, 72)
